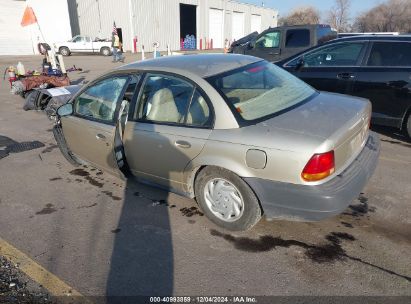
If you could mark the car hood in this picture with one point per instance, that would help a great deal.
(325, 118)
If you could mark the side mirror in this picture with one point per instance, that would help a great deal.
(251, 44)
(300, 64)
(65, 110)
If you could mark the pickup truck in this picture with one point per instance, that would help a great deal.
(275, 44)
(83, 44)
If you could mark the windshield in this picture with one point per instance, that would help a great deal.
(260, 90)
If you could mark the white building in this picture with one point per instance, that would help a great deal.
(52, 18)
(148, 21)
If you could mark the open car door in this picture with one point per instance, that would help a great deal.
(93, 131)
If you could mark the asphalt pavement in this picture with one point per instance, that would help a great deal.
(105, 236)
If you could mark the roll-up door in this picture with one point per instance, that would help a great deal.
(238, 25)
(216, 27)
(255, 23)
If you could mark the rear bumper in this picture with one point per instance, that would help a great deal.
(317, 202)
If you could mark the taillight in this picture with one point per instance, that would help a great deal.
(319, 167)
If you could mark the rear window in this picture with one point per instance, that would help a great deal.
(260, 90)
(390, 54)
(297, 38)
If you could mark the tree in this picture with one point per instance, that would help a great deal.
(301, 15)
(391, 16)
(339, 16)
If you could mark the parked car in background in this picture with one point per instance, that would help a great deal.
(275, 44)
(50, 99)
(374, 67)
(241, 135)
(83, 44)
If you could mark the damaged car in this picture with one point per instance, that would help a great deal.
(49, 100)
(240, 135)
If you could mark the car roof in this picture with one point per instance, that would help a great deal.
(299, 26)
(202, 65)
(302, 25)
(374, 38)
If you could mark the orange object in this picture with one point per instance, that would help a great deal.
(29, 17)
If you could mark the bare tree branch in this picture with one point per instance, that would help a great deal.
(390, 16)
(339, 16)
(301, 15)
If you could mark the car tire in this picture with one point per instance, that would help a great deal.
(61, 142)
(105, 51)
(64, 51)
(30, 100)
(407, 128)
(217, 189)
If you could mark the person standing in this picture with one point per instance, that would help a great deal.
(116, 45)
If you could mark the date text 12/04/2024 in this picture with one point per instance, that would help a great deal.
(203, 299)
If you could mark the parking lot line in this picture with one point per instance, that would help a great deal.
(37, 273)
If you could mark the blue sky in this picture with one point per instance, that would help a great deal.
(285, 6)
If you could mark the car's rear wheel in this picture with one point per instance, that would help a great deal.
(408, 125)
(64, 51)
(105, 51)
(226, 199)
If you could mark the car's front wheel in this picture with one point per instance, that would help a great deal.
(226, 199)
(64, 51)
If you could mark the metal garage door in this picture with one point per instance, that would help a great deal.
(255, 23)
(216, 27)
(238, 25)
(14, 39)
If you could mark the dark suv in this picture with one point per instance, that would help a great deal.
(281, 42)
(374, 67)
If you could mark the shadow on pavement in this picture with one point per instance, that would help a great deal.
(142, 262)
(394, 133)
(142, 258)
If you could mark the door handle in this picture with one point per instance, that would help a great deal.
(398, 84)
(101, 137)
(182, 144)
(345, 76)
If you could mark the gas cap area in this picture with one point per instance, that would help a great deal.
(256, 159)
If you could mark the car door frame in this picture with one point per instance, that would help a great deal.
(295, 50)
(88, 44)
(77, 46)
(395, 121)
(347, 83)
(115, 170)
(267, 52)
(184, 187)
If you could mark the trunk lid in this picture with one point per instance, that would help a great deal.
(332, 122)
(327, 122)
